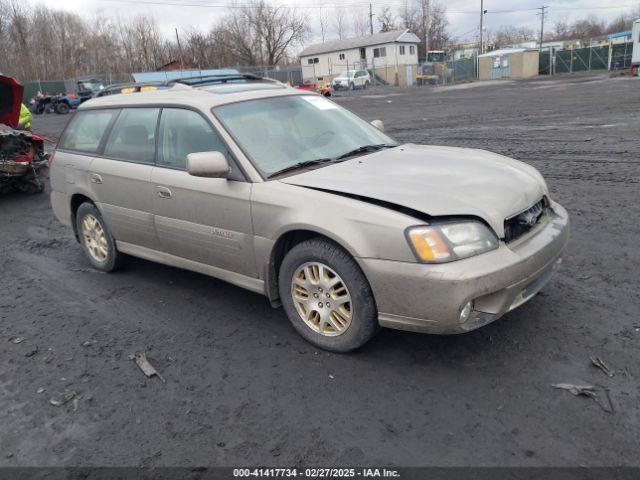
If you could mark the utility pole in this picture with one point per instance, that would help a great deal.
(482, 12)
(180, 50)
(542, 15)
(371, 19)
(426, 7)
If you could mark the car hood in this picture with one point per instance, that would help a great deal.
(10, 101)
(438, 181)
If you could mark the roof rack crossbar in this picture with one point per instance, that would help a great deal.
(223, 78)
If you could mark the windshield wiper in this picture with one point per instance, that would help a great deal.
(365, 149)
(299, 165)
(351, 153)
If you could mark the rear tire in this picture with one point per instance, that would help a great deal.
(96, 239)
(352, 320)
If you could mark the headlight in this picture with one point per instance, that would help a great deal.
(449, 241)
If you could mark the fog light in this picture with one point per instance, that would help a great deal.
(466, 312)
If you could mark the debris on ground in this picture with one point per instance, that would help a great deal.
(88, 343)
(85, 270)
(590, 391)
(145, 366)
(63, 398)
(16, 340)
(40, 390)
(599, 363)
(31, 352)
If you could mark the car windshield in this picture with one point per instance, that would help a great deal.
(92, 85)
(278, 133)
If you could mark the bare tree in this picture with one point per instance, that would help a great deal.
(324, 23)
(560, 29)
(509, 34)
(196, 48)
(278, 29)
(340, 22)
(387, 19)
(360, 22)
(261, 34)
(411, 17)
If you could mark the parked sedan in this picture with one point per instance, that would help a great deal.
(287, 194)
(351, 80)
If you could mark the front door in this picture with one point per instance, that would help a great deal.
(207, 220)
(409, 75)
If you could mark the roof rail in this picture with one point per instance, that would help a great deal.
(223, 78)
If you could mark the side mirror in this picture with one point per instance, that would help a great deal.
(378, 124)
(208, 164)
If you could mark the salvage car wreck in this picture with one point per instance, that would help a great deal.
(23, 162)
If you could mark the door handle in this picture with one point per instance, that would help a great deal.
(163, 192)
(95, 178)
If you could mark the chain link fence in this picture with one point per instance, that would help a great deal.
(70, 85)
(621, 56)
(379, 75)
(352, 78)
(289, 75)
(586, 59)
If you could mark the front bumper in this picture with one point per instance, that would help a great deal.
(429, 298)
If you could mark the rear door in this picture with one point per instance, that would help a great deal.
(207, 220)
(78, 147)
(120, 177)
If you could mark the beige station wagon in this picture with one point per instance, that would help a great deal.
(287, 194)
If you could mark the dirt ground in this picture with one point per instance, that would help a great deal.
(242, 388)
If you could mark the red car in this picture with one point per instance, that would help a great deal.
(23, 162)
(324, 90)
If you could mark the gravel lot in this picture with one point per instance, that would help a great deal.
(242, 388)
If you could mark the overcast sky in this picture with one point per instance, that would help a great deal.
(463, 15)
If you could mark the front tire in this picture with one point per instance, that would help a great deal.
(327, 297)
(96, 239)
(62, 108)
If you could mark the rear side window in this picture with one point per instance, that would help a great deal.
(87, 129)
(133, 136)
(183, 132)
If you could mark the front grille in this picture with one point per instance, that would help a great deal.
(518, 225)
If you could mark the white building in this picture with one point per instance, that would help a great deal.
(393, 55)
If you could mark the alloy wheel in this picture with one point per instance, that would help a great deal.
(322, 299)
(95, 238)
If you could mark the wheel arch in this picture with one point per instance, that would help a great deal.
(78, 199)
(284, 243)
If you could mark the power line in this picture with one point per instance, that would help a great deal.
(209, 4)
